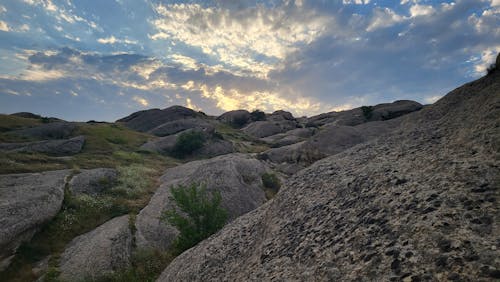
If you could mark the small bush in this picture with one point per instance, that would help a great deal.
(200, 215)
(187, 143)
(367, 112)
(239, 121)
(272, 184)
(257, 115)
(491, 69)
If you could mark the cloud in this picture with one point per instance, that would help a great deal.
(382, 18)
(249, 39)
(4, 26)
(143, 102)
(421, 10)
(113, 40)
(357, 2)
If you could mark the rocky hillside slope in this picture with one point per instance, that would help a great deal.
(418, 204)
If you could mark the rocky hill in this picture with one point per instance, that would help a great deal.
(390, 192)
(418, 204)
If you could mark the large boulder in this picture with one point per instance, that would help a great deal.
(237, 118)
(358, 115)
(290, 137)
(53, 130)
(212, 146)
(419, 204)
(27, 201)
(237, 177)
(100, 251)
(93, 181)
(149, 119)
(63, 147)
(177, 126)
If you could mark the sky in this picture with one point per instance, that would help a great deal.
(104, 59)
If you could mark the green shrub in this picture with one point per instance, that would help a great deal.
(187, 143)
(367, 112)
(200, 215)
(258, 115)
(271, 184)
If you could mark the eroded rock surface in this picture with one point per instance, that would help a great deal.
(419, 204)
(52, 130)
(236, 176)
(149, 119)
(93, 181)
(102, 250)
(27, 200)
(63, 147)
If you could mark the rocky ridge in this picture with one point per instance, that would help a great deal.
(419, 204)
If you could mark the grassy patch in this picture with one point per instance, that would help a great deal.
(271, 183)
(8, 122)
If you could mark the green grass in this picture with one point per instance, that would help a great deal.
(243, 142)
(81, 214)
(8, 122)
(271, 183)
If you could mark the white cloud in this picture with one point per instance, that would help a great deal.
(487, 58)
(382, 18)
(238, 38)
(141, 101)
(185, 61)
(357, 2)
(2, 9)
(432, 99)
(4, 26)
(421, 10)
(113, 40)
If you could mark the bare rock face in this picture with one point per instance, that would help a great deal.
(177, 126)
(93, 181)
(63, 147)
(149, 119)
(102, 250)
(53, 130)
(419, 204)
(356, 116)
(236, 118)
(236, 176)
(27, 201)
(290, 137)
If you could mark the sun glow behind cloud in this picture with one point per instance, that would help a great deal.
(303, 56)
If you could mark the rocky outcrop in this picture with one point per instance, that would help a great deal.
(212, 146)
(177, 126)
(419, 204)
(236, 176)
(53, 130)
(27, 201)
(359, 115)
(51, 147)
(93, 181)
(150, 119)
(330, 140)
(277, 122)
(237, 118)
(100, 251)
(290, 137)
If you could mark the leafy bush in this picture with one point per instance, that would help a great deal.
(199, 217)
(367, 112)
(187, 143)
(258, 115)
(271, 184)
(239, 121)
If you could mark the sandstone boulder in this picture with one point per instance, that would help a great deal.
(63, 147)
(93, 181)
(149, 119)
(237, 177)
(237, 118)
(53, 130)
(27, 201)
(177, 126)
(100, 251)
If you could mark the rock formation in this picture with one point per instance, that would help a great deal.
(27, 201)
(100, 251)
(236, 176)
(93, 181)
(418, 204)
(63, 147)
